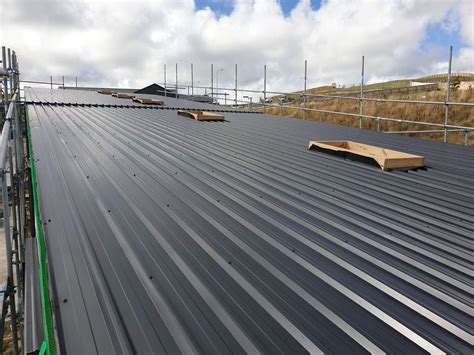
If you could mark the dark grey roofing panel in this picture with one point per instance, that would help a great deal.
(33, 325)
(166, 234)
(93, 97)
(73, 96)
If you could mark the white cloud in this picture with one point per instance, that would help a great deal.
(126, 42)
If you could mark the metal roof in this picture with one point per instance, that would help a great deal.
(61, 96)
(166, 234)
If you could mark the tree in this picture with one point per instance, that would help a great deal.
(455, 83)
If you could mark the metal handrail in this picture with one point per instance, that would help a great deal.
(429, 131)
(4, 150)
(356, 98)
(371, 117)
(6, 133)
(40, 82)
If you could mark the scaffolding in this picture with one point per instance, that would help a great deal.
(11, 170)
(24, 243)
(302, 98)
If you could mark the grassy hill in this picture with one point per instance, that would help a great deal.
(463, 116)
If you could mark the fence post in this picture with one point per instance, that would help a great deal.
(212, 82)
(76, 81)
(176, 80)
(5, 80)
(448, 89)
(164, 78)
(51, 80)
(361, 103)
(9, 70)
(305, 87)
(466, 138)
(264, 86)
(236, 104)
(16, 79)
(192, 80)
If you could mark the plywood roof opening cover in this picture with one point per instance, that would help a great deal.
(148, 101)
(387, 159)
(121, 95)
(105, 91)
(202, 115)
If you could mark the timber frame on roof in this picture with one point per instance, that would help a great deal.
(387, 159)
(201, 115)
(121, 95)
(147, 101)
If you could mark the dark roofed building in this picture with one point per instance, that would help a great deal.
(155, 89)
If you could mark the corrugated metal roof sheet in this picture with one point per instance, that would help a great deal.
(166, 234)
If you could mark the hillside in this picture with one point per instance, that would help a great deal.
(459, 115)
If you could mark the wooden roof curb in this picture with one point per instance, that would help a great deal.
(201, 115)
(387, 159)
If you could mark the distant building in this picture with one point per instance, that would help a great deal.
(155, 89)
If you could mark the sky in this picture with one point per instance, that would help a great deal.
(126, 43)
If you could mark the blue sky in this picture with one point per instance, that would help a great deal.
(224, 7)
(436, 35)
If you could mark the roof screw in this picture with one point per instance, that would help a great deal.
(65, 300)
(108, 211)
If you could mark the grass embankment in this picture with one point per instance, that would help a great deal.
(458, 115)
